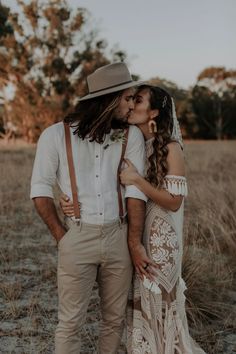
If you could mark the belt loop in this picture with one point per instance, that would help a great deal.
(78, 223)
(120, 222)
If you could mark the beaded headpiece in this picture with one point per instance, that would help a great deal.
(164, 101)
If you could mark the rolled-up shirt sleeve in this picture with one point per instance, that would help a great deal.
(45, 165)
(135, 152)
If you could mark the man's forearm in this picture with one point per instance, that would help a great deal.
(136, 218)
(46, 209)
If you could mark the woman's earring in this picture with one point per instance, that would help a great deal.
(152, 126)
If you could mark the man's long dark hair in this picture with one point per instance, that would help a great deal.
(95, 117)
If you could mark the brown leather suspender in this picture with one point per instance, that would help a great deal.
(121, 208)
(73, 178)
(72, 172)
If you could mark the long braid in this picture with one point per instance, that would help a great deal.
(161, 100)
(158, 162)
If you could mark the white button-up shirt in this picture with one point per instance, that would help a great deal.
(95, 169)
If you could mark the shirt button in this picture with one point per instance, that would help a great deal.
(96, 175)
(99, 195)
(96, 156)
(100, 213)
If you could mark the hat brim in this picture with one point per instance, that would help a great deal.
(112, 89)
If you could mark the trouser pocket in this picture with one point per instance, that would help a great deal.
(66, 235)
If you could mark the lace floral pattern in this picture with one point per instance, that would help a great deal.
(157, 321)
(164, 245)
(140, 345)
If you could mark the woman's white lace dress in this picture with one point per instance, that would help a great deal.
(157, 322)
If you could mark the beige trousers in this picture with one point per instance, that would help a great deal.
(85, 253)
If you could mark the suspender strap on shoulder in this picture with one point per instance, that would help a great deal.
(73, 178)
(72, 172)
(121, 207)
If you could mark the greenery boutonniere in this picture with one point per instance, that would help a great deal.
(118, 136)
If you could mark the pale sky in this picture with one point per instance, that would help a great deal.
(171, 39)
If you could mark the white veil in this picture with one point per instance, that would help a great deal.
(176, 133)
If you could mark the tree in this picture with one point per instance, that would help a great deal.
(46, 58)
(5, 29)
(213, 102)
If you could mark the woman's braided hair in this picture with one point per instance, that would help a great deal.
(161, 100)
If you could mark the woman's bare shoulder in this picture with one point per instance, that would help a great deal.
(175, 159)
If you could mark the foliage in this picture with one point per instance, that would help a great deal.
(207, 111)
(214, 102)
(47, 57)
(46, 52)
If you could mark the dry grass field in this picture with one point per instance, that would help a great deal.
(28, 256)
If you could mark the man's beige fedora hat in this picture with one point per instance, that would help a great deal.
(107, 79)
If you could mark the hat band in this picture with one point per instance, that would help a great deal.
(109, 87)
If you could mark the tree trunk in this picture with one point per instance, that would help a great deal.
(219, 121)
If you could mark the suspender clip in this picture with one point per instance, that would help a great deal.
(77, 221)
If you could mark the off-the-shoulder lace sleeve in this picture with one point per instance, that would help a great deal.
(176, 185)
